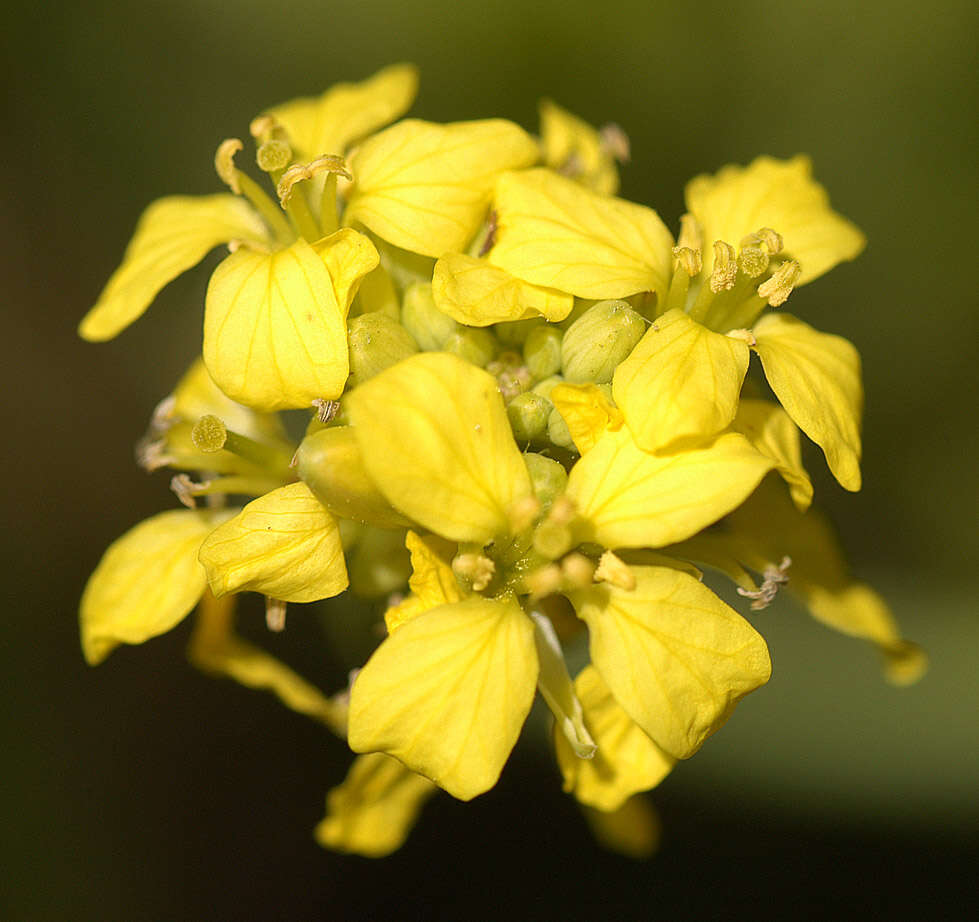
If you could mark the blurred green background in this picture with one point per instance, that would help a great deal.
(144, 791)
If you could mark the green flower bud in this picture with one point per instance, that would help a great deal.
(558, 432)
(423, 320)
(376, 342)
(513, 333)
(580, 306)
(528, 414)
(542, 351)
(474, 344)
(599, 340)
(547, 475)
(545, 387)
(330, 464)
(403, 267)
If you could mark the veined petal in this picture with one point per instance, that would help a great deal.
(146, 582)
(816, 377)
(172, 235)
(676, 658)
(681, 383)
(435, 438)
(627, 760)
(572, 147)
(780, 194)
(553, 232)
(588, 413)
(633, 830)
(274, 335)
(373, 811)
(283, 544)
(426, 187)
(770, 429)
(477, 293)
(629, 498)
(432, 579)
(348, 256)
(448, 692)
(346, 112)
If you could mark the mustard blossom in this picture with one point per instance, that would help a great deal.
(527, 434)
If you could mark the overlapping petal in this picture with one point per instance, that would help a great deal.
(573, 147)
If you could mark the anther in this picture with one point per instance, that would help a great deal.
(151, 455)
(690, 260)
(778, 288)
(577, 571)
(523, 513)
(224, 163)
(614, 570)
(183, 488)
(772, 240)
(266, 127)
(326, 409)
(725, 267)
(691, 235)
(299, 172)
(775, 577)
(273, 155)
(275, 614)
(544, 581)
(615, 142)
(474, 569)
(746, 336)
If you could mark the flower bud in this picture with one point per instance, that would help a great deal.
(558, 431)
(423, 320)
(542, 351)
(514, 333)
(599, 340)
(528, 414)
(545, 387)
(547, 475)
(330, 464)
(474, 344)
(376, 342)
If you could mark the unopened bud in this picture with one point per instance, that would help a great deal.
(558, 432)
(423, 320)
(528, 414)
(542, 351)
(545, 387)
(376, 342)
(549, 478)
(514, 333)
(599, 340)
(475, 345)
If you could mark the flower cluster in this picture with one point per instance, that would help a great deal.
(528, 426)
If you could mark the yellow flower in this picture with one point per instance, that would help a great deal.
(449, 689)
(682, 382)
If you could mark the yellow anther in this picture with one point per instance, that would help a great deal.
(265, 127)
(523, 513)
(725, 267)
(183, 488)
(772, 240)
(326, 409)
(614, 570)
(474, 569)
(690, 260)
(577, 571)
(544, 581)
(746, 336)
(275, 614)
(224, 163)
(778, 288)
(615, 142)
(691, 235)
(299, 172)
(273, 155)
(562, 512)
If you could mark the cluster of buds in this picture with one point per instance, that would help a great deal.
(525, 432)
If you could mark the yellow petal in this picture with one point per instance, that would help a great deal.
(629, 498)
(173, 234)
(555, 233)
(372, 812)
(587, 411)
(146, 582)
(770, 429)
(572, 147)
(346, 112)
(634, 830)
(478, 294)
(426, 187)
(348, 256)
(447, 693)
(274, 335)
(816, 377)
(432, 579)
(780, 194)
(283, 544)
(676, 658)
(435, 438)
(681, 383)
(627, 760)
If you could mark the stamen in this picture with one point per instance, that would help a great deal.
(543, 581)
(299, 172)
(273, 155)
(266, 127)
(725, 267)
(326, 409)
(523, 513)
(183, 487)
(775, 577)
(746, 336)
(778, 288)
(772, 240)
(614, 570)
(615, 142)
(577, 571)
(224, 163)
(275, 614)
(490, 238)
(151, 454)
(474, 569)
(691, 235)
(690, 260)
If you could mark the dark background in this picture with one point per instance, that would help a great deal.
(141, 790)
